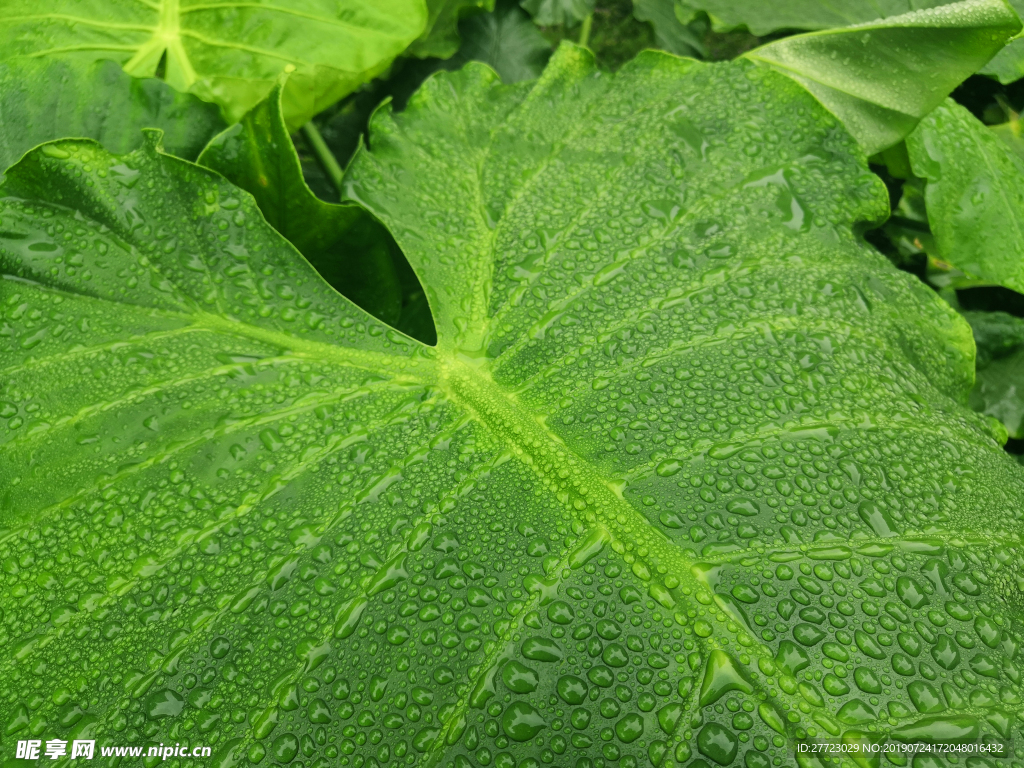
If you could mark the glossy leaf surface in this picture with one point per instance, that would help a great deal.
(881, 78)
(227, 53)
(685, 477)
(974, 195)
(46, 99)
(346, 245)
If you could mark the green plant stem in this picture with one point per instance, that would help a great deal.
(585, 30)
(323, 154)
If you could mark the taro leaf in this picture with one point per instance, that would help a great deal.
(228, 53)
(999, 389)
(507, 41)
(880, 79)
(346, 245)
(684, 436)
(996, 334)
(974, 195)
(999, 392)
(669, 32)
(763, 18)
(548, 12)
(46, 99)
(441, 37)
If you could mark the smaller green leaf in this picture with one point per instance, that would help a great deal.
(441, 37)
(46, 99)
(1008, 65)
(506, 40)
(996, 334)
(999, 386)
(881, 78)
(1010, 133)
(974, 195)
(670, 33)
(548, 12)
(346, 245)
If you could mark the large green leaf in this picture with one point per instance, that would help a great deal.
(345, 244)
(974, 195)
(229, 53)
(763, 18)
(46, 99)
(686, 477)
(880, 79)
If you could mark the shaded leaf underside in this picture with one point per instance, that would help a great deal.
(685, 475)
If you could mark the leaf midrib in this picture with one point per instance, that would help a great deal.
(597, 503)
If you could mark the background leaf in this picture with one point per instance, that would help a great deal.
(441, 37)
(227, 53)
(507, 41)
(880, 79)
(763, 18)
(999, 389)
(669, 32)
(350, 249)
(549, 12)
(974, 195)
(46, 99)
(684, 437)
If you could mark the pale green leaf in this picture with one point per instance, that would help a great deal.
(46, 99)
(881, 78)
(974, 195)
(1010, 134)
(686, 475)
(999, 389)
(228, 53)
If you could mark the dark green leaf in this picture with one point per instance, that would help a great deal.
(974, 195)
(880, 79)
(687, 473)
(999, 388)
(227, 53)
(46, 99)
(670, 33)
(549, 12)
(996, 334)
(345, 244)
(999, 392)
(507, 41)
(441, 37)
